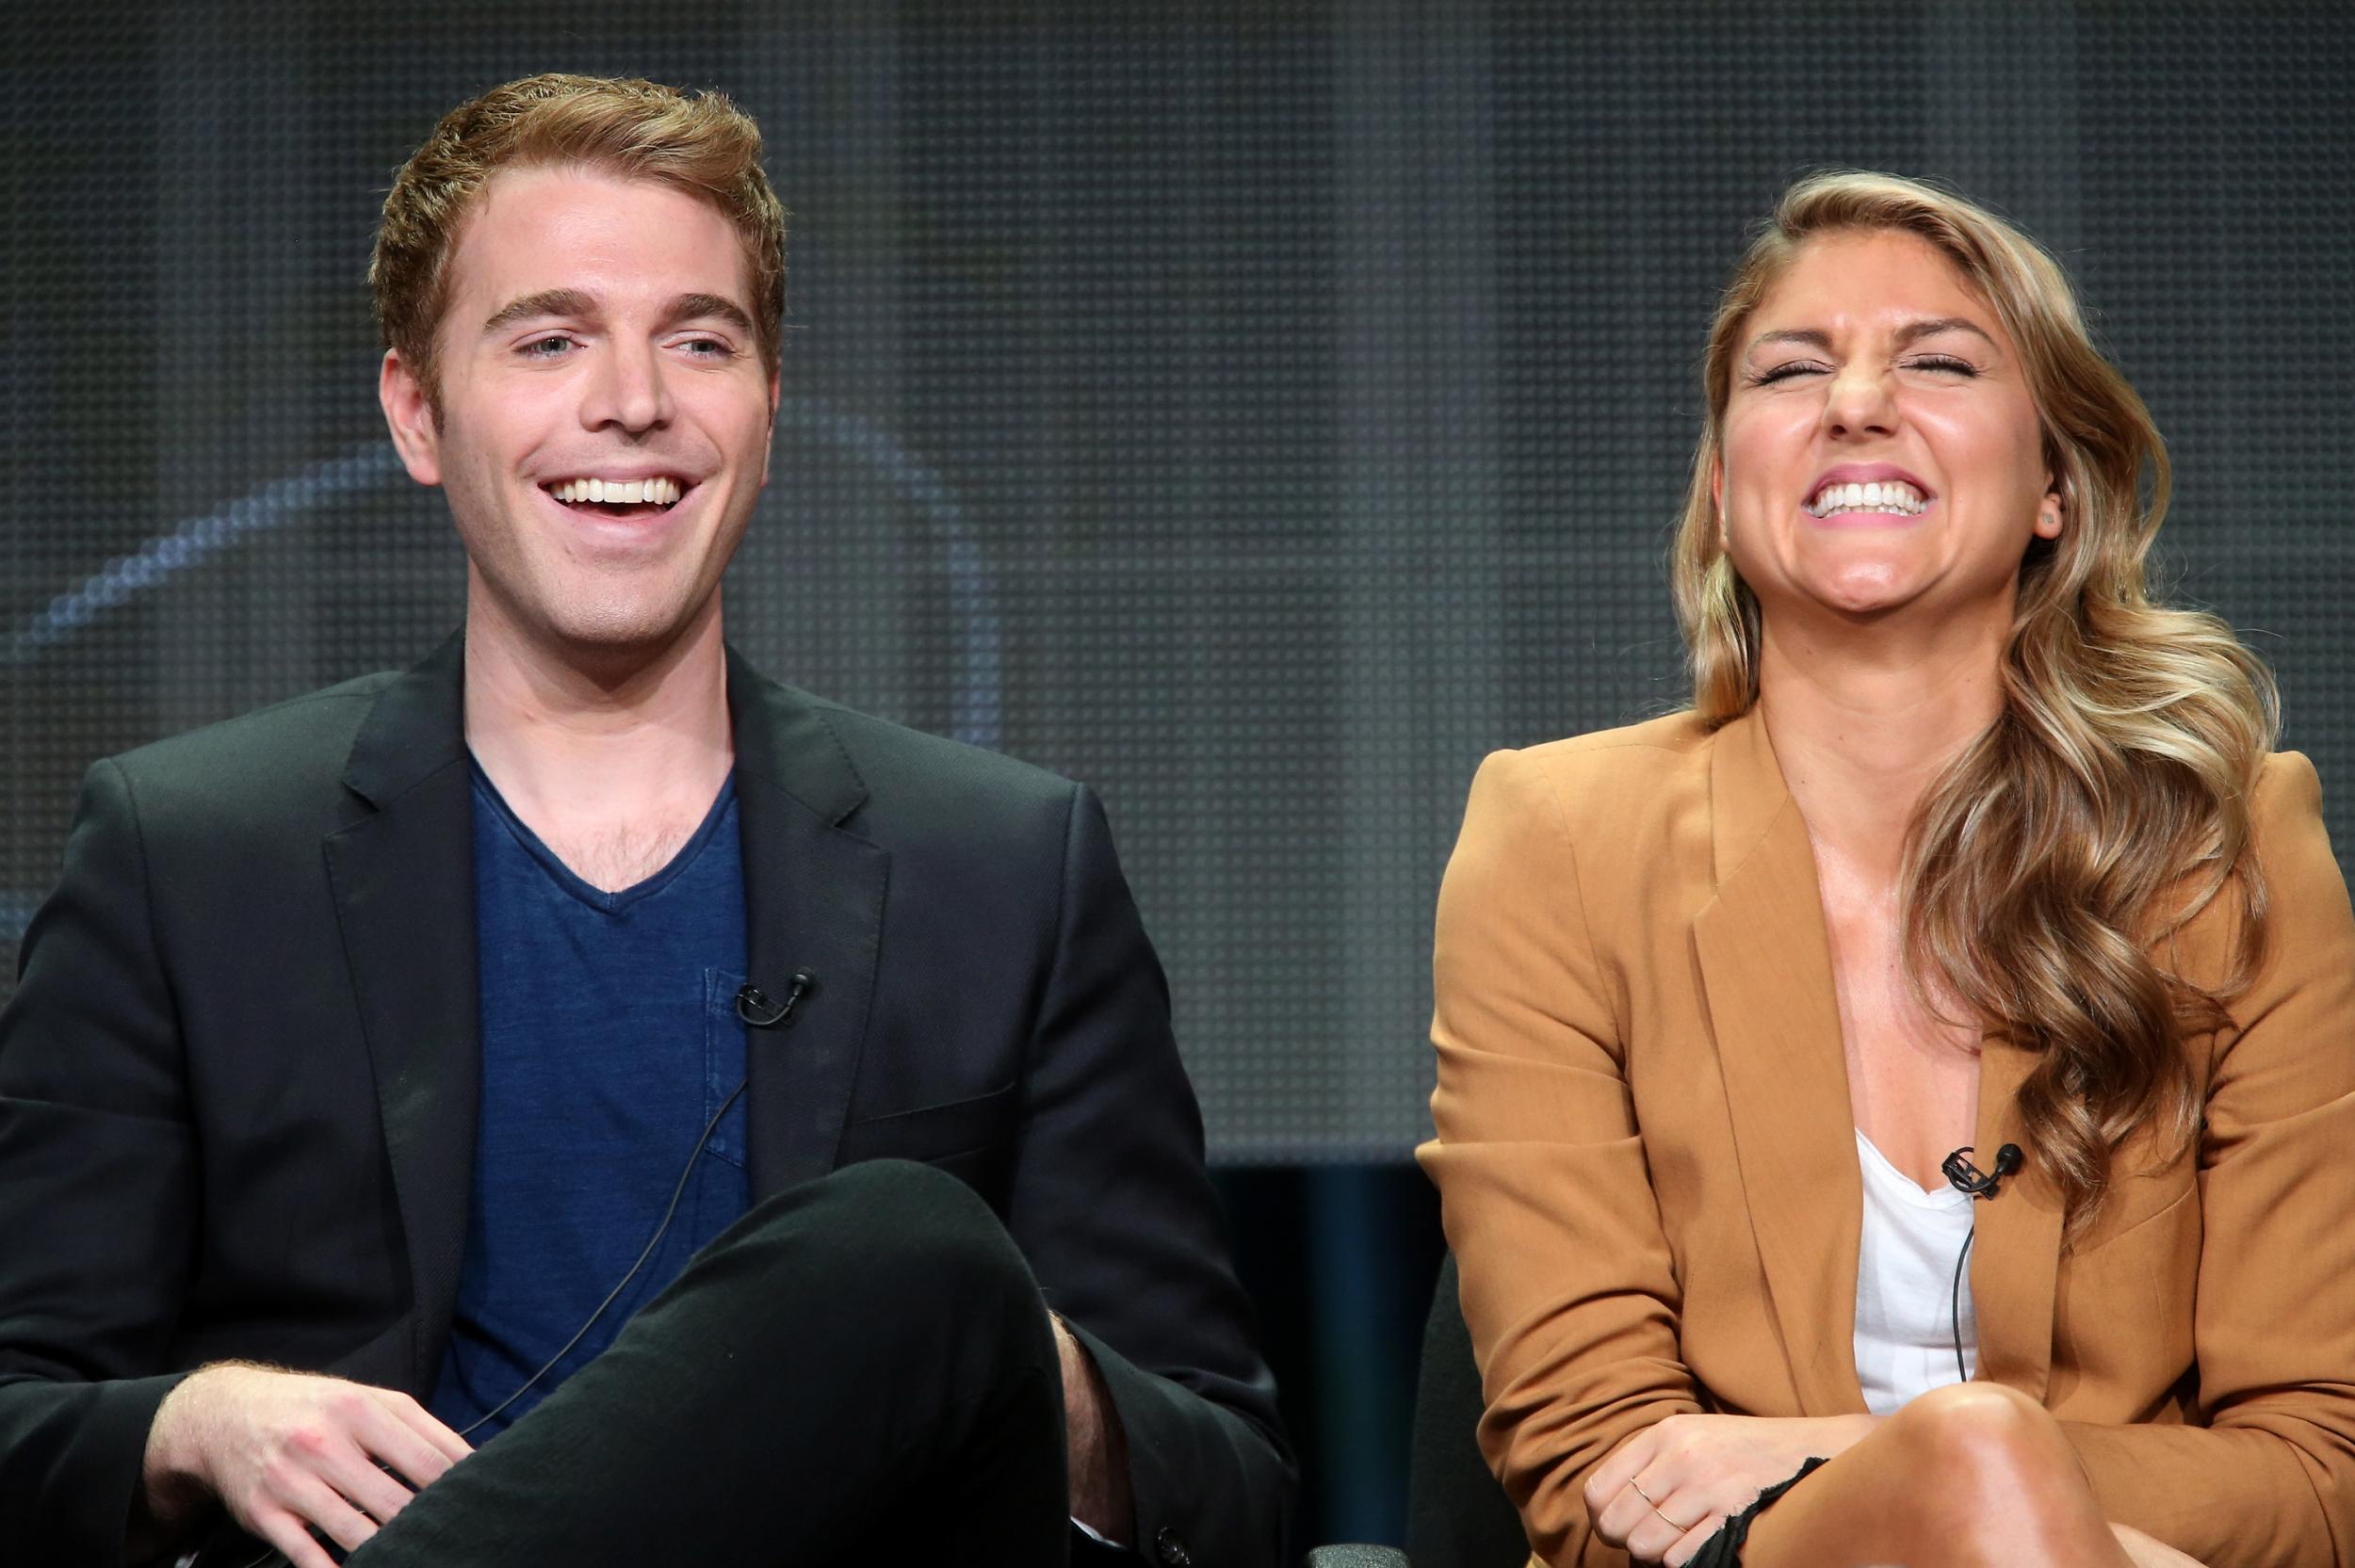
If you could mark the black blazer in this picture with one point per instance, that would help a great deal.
(239, 1077)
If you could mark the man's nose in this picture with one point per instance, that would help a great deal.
(629, 390)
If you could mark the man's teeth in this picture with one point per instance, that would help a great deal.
(660, 493)
(1891, 496)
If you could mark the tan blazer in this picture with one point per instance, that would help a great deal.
(1649, 1174)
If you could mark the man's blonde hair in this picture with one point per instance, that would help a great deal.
(699, 143)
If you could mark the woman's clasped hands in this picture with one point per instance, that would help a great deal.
(1663, 1493)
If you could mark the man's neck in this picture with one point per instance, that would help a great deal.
(1861, 732)
(612, 763)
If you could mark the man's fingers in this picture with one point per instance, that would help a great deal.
(363, 1485)
(385, 1433)
(425, 1425)
(327, 1472)
(318, 1499)
(290, 1535)
(318, 1474)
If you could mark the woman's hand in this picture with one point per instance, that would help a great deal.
(1667, 1489)
(2145, 1552)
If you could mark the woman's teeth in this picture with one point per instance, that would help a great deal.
(1889, 495)
(660, 493)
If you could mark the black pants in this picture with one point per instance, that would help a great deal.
(859, 1370)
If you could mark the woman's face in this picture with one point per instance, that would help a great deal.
(1882, 451)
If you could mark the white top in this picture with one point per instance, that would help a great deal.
(1905, 1283)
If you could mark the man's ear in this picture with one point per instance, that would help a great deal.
(408, 413)
(776, 391)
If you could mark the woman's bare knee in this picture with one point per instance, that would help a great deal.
(1991, 1464)
(1968, 1476)
(1967, 1424)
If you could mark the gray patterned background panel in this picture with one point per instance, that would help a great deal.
(1257, 411)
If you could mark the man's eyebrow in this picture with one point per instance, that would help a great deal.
(573, 303)
(718, 307)
(548, 302)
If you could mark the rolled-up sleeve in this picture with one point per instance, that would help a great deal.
(2269, 1479)
(1567, 1280)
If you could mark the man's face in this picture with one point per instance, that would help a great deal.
(598, 342)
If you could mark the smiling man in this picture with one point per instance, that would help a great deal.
(752, 1127)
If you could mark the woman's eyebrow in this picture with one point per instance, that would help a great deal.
(1913, 331)
(1811, 336)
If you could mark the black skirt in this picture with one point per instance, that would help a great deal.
(1723, 1549)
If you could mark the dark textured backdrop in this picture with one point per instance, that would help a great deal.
(1259, 412)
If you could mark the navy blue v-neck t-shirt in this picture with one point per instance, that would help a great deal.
(609, 1039)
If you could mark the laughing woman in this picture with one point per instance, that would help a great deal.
(1962, 842)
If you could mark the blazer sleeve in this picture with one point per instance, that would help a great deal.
(2270, 1479)
(96, 1214)
(1111, 1201)
(1568, 1286)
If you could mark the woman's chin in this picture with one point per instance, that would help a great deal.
(1858, 595)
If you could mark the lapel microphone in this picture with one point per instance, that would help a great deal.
(754, 1005)
(1960, 1173)
(1966, 1178)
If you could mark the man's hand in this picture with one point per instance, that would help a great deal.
(287, 1450)
(1095, 1449)
(1666, 1489)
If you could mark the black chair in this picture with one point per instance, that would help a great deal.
(1457, 1514)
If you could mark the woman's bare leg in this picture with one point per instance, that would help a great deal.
(1969, 1475)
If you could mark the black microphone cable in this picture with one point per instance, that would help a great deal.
(590, 1321)
(1962, 1373)
(1966, 1177)
(677, 1191)
(755, 1008)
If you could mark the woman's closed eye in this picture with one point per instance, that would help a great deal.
(1944, 365)
(1788, 370)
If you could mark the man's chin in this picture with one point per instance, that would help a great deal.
(608, 640)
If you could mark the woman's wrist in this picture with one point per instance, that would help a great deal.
(1837, 1434)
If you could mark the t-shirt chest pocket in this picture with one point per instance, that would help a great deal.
(725, 1064)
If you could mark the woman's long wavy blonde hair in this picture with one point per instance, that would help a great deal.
(2051, 862)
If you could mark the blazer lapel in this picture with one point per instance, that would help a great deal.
(1765, 967)
(813, 902)
(403, 882)
(2015, 1258)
